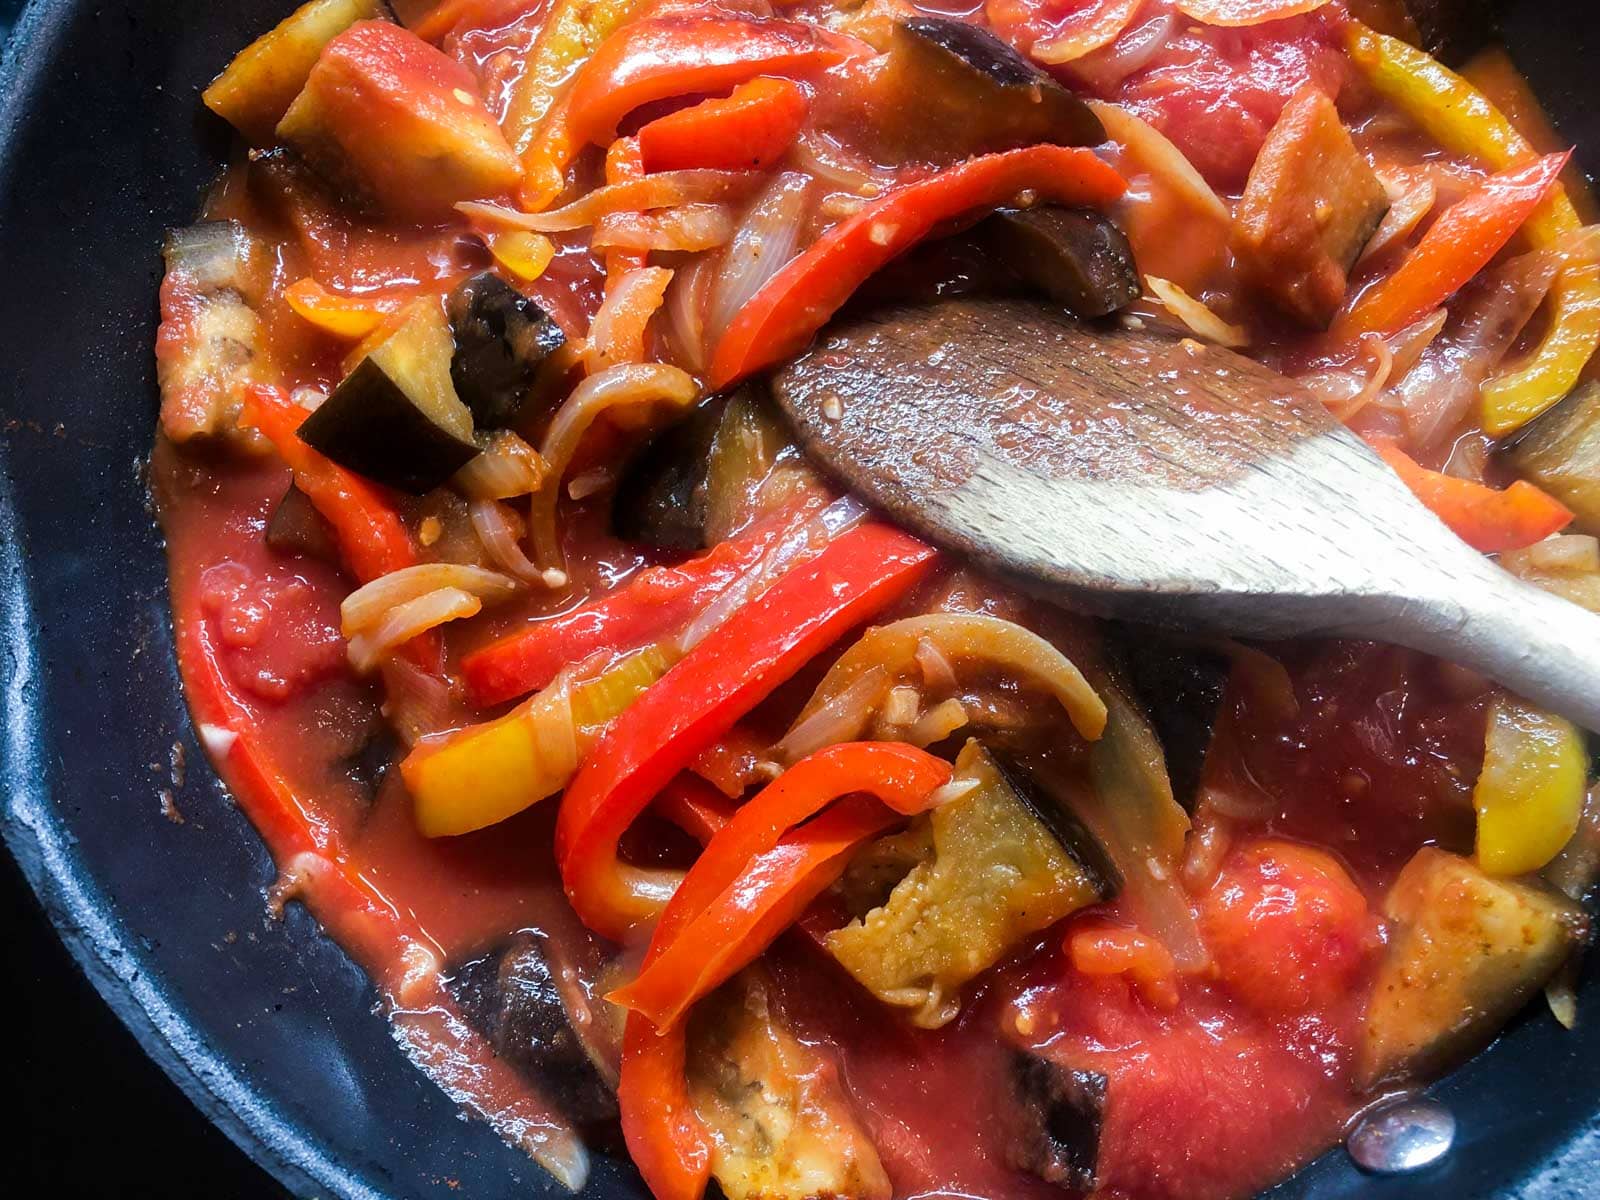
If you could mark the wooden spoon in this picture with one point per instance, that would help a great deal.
(1146, 476)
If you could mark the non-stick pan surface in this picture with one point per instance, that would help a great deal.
(268, 1027)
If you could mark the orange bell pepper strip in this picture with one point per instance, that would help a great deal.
(757, 875)
(738, 892)
(749, 130)
(650, 606)
(684, 55)
(372, 539)
(623, 163)
(1456, 247)
(796, 302)
(1486, 519)
(732, 670)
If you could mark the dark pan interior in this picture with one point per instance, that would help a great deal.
(268, 1027)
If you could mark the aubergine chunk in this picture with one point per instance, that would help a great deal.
(513, 996)
(1310, 206)
(1560, 451)
(210, 344)
(661, 499)
(1061, 1111)
(1074, 256)
(950, 88)
(781, 1126)
(1465, 952)
(1001, 869)
(1180, 690)
(297, 528)
(263, 79)
(396, 417)
(505, 367)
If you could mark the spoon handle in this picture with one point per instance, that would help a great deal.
(1543, 648)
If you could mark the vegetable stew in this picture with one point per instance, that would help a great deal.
(677, 802)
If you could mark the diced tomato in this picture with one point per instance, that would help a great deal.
(1287, 927)
(278, 634)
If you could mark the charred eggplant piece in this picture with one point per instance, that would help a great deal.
(396, 417)
(263, 79)
(955, 88)
(1062, 1111)
(782, 1128)
(1560, 451)
(1076, 257)
(512, 996)
(297, 528)
(661, 497)
(505, 367)
(998, 873)
(210, 342)
(1466, 952)
(1180, 689)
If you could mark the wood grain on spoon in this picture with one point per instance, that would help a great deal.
(1149, 476)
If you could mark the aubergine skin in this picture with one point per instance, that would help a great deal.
(504, 342)
(1063, 824)
(1061, 1112)
(1074, 256)
(661, 498)
(372, 427)
(1180, 689)
(297, 528)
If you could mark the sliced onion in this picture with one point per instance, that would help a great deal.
(819, 156)
(1130, 52)
(764, 242)
(685, 313)
(639, 384)
(1245, 12)
(841, 718)
(371, 603)
(968, 638)
(806, 539)
(405, 621)
(1576, 552)
(616, 335)
(417, 703)
(689, 229)
(1407, 206)
(938, 723)
(1160, 157)
(665, 189)
(496, 530)
(938, 672)
(507, 467)
(1086, 33)
(1195, 315)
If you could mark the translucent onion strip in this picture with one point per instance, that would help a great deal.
(665, 189)
(1235, 13)
(370, 604)
(687, 229)
(405, 621)
(617, 333)
(496, 530)
(1200, 319)
(965, 638)
(634, 384)
(507, 467)
(1160, 157)
(764, 242)
(840, 718)
(1104, 25)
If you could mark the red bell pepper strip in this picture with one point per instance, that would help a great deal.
(1487, 519)
(749, 130)
(737, 890)
(736, 667)
(796, 302)
(1456, 247)
(372, 539)
(685, 55)
(648, 607)
(665, 1138)
(694, 806)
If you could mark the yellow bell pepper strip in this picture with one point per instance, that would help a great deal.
(726, 675)
(1488, 520)
(1530, 793)
(1461, 118)
(757, 875)
(341, 316)
(796, 302)
(1456, 247)
(477, 776)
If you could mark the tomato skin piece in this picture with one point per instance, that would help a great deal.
(796, 302)
(1288, 928)
(749, 130)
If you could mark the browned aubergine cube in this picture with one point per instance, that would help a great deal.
(1074, 256)
(1060, 1113)
(1311, 204)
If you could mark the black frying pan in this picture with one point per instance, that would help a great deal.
(103, 144)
